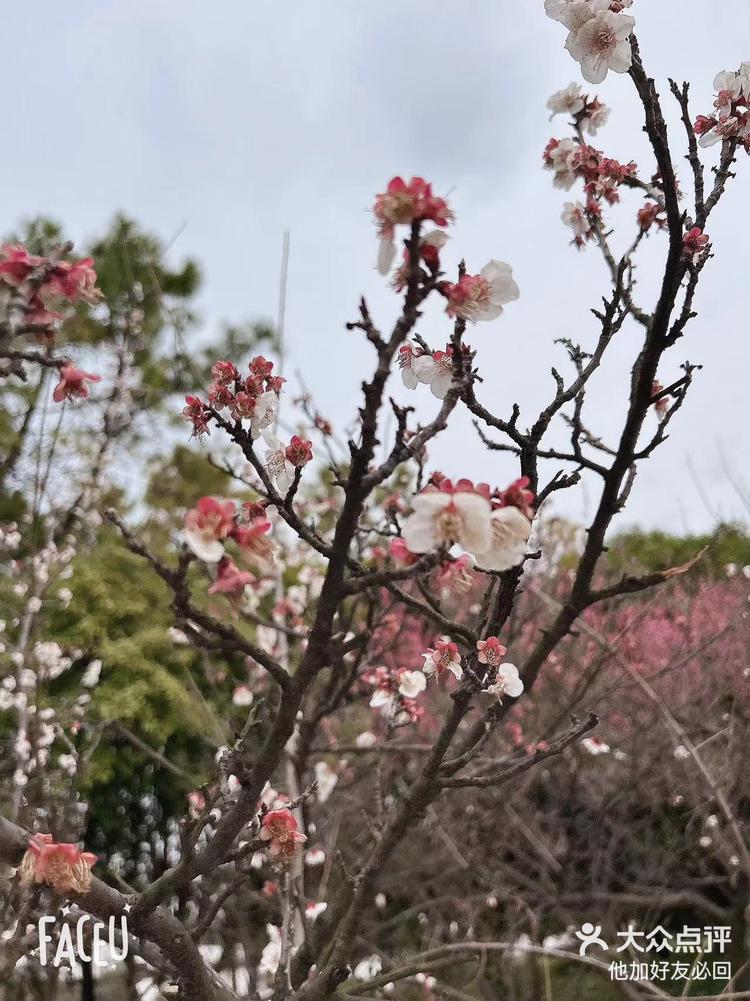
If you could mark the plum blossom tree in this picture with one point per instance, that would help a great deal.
(301, 586)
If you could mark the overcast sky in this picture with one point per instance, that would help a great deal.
(231, 121)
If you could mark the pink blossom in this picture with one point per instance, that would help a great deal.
(429, 251)
(38, 315)
(197, 801)
(280, 829)
(254, 545)
(517, 494)
(491, 651)
(401, 204)
(75, 282)
(703, 124)
(230, 579)
(17, 264)
(206, 527)
(482, 296)
(661, 405)
(454, 576)
(693, 243)
(242, 406)
(443, 656)
(401, 553)
(196, 412)
(220, 396)
(225, 373)
(72, 383)
(261, 367)
(651, 214)
(63, 866)
(299, 451)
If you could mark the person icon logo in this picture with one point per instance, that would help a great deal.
(590, 935)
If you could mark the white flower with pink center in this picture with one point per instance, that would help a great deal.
(568, 101)
(407, 355)
(444, 657)
(728, 87)
(265, 413)
(573, 14)
(384, 700)
(596, 117)
(560, 157)
(436, 371)
(508, 682)
(206, 527)
(411, 684)
(314, 909)
(574, 214)
(278, 467)
(603, 44)
(442, 519)
(595, 746)
(509, 533)
(242, 696)
(482, 296)
(727, 127)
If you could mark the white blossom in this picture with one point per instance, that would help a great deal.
(368, 968)
(278, 467)
(412, 684)
(569, 101)
(443, 518)
(602, 43)
(508, 682)
(326, 778)
(509, 533)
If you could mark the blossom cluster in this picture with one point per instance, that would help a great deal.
(402, 204)
(40, 284)
(730, 119)
(254, 397)
(598, 34)
(211, 523)
(589, 113)
(44, 283)
(493, 526)
(472, 297)
(394, 693)
(602, 177)
(503, 678)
